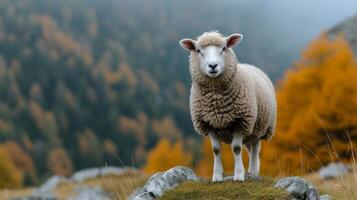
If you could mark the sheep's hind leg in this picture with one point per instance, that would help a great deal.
(217, 165)
(237, 144)
(254, 162)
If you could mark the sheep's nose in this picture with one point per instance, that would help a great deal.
(212, 66)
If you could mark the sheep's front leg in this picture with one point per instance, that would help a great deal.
(217, 165)
(254, 162)
(237, 144)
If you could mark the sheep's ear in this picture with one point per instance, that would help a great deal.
(188, 44)
(233, 40)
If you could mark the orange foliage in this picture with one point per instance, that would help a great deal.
(10, 177)
(36, 91)
(148, 81)
(46, 122)
(27, 143)
(54, 36)
(180, 89)
(136, 126)
(109, 147)
(128, 74)
(89, 145)
(317, 103)
(20, 159)
(87, 140)
(59, 162)
(6, 128)
(167, 155)
(166, 127)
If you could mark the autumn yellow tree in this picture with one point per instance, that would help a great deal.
(10, 177)
(90, 147)
(167, 155)
(21, 160)
(59, 162)
(317, 103)
(166, 127)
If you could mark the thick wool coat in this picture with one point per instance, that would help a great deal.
(241, 100)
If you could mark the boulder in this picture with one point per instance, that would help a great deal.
(51, 184)
(36, 198)
(160, 182)
(45, 191)
(89, 173)
(298, 188)
(333, 170)
(325, 197)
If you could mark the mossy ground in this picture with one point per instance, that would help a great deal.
(248, 190)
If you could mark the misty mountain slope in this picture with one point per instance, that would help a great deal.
(348, 29)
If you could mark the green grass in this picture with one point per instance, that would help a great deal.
(248, 190)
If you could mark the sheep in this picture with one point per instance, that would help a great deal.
(230, 102)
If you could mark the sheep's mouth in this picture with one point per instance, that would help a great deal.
(213, 72)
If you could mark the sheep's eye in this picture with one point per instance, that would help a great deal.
(224, 48)
(199, 52)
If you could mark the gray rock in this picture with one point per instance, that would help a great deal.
(298, 188)
(51, 184)
(113, 170)
(142, 195)
(333, 170)
(160, 182)
(90, 193)
(89, 173)
(45, 191)
(325, 197)
(48, 196)
(84, 175)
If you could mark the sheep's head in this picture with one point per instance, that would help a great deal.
(211, 53)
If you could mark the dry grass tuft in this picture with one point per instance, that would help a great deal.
(120, 187)
(342, 188)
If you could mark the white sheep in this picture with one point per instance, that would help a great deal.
(230, 102)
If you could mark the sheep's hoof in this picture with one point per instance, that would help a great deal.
(239, 177)
(253, 177)
(217, 178)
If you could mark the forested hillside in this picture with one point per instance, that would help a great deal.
(90, 82)
(76, 90)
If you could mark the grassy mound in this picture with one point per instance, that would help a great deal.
(248, 190)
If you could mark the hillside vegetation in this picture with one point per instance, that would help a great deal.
(99, 79)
